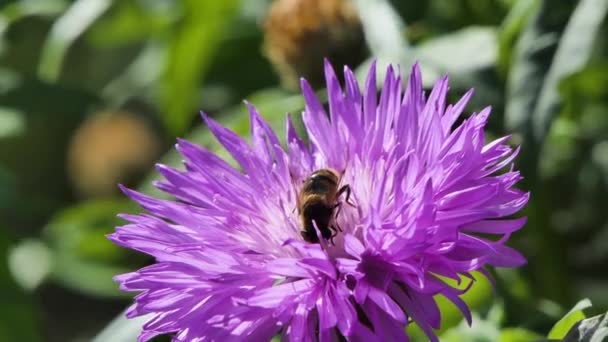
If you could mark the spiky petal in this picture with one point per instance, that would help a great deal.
(231, 263)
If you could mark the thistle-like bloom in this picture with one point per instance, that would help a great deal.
(231, 263)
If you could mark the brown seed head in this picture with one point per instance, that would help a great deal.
(300, 33)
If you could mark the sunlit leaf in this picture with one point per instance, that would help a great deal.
(472, 48)
(9, 79)
(582, 121)
(384, 33)
(30, 263)
(19, 9)
(138, 77)
(484, 327)
(384, 30)
(191, 50)
(518, 335)
(12, 122)
(511, 27)
(561, 328)
(573, 52)
(533, 49)
(121, 329)
(74, 21)
(583, 88)
(128, 21)
(472, 52)
(594, 329)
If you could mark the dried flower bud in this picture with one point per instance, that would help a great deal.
(110, 148)
(300, 33)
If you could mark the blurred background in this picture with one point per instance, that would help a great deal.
(94, 92)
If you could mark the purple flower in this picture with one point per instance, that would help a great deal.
(231, 263)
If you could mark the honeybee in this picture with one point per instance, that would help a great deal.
(317, 201)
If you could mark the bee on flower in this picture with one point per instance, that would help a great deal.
(239, 257)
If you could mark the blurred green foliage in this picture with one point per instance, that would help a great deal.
(18, 313)
(542, 65)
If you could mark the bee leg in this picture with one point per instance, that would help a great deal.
(339, 206)
(346, 189)
(336, 228)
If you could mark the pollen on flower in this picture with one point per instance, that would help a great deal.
(232, 261)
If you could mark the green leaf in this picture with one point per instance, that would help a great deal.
(384, 33)
(18, 312)
(12, 122)
(30, 263)
(471, 48)
(384, 30)
(594, 329)
(20, 9)
(9, 78)
(36, 157)
(191, 50)
(472, 51)
(130, 21)
(518, 335)
(561, 328)
(80, 230)
(90, 278)
(483, 328)
(76, 20)
(535, 46)
(8, 188)
(510, 29)
(121, 329)
(138, 77)
(582, 88)
(83, 258)
(573, 52)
